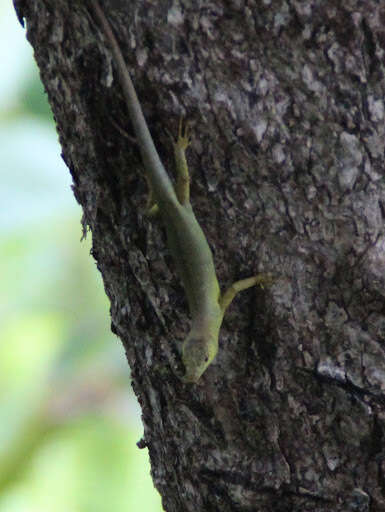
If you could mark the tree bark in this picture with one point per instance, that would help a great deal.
(286, 100)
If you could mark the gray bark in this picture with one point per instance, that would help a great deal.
(286, 99)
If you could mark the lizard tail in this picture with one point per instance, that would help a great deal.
(161, 184)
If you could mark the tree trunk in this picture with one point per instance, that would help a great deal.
(286, 103)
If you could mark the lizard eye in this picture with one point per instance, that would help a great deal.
(206, 359)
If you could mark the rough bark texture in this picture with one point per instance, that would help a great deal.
(287, 104)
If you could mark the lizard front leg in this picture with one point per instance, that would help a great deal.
(227, 297)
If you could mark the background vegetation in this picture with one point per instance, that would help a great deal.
(69, 422)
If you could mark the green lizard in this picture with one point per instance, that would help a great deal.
(186, 240)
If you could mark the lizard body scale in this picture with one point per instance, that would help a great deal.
(186, 240)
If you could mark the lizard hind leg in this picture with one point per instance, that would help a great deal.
(182, 187)
(226, 299)
(152, 209)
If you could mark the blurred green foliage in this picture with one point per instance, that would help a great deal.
(68, 420)
(33, 100)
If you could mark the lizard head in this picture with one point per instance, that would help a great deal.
(197, 354)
